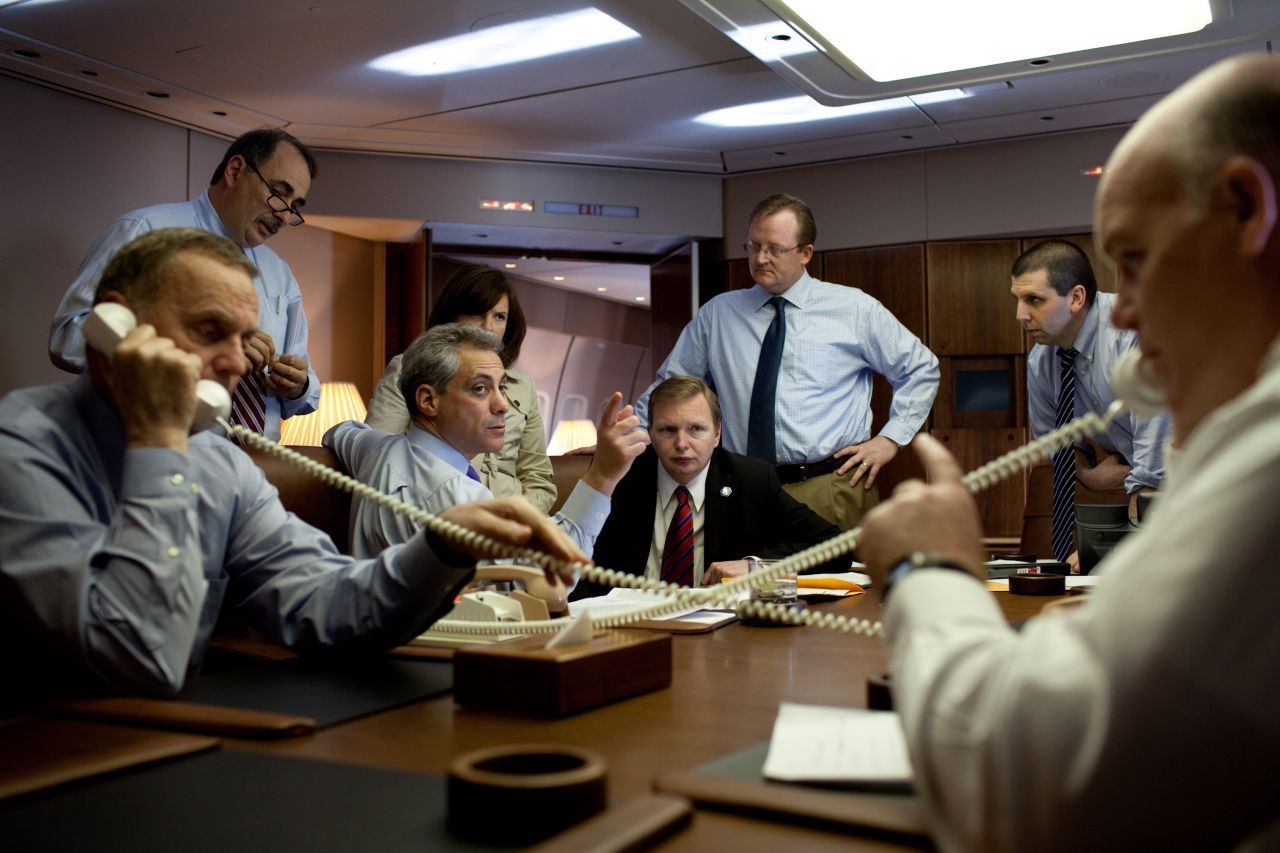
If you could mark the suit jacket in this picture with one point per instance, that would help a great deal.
(756, 517)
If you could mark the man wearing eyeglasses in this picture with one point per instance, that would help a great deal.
(793, 359)
(259, 187)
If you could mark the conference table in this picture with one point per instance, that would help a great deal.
(724, 696)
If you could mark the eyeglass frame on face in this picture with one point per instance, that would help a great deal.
(769, 251)
(276, 197)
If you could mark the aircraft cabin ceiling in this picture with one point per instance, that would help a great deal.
(340, 75)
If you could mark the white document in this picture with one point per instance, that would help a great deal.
(624, 600)
(816, 743)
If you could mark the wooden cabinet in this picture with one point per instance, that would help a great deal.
(1001, 505)
(971, 311)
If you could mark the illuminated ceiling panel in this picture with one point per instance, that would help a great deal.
(839, 52)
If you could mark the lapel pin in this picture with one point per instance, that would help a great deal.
(725, 491)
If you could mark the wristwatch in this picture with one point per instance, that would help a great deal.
(919, 560)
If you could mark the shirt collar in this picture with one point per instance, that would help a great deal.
(438, 447)
(208, 216)
(796, 295)
(697, 486)
(1088, 333)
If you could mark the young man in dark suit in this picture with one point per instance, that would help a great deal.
(690, 512)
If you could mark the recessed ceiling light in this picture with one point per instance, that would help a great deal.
(220, 113)
(510, 266)
(88, 72)
(26, 54)
(153, 93)
(803, 108)
(639, 299)
(508, 43)
(481, 236)
(557, 278)
(884, 41)
(602, 290)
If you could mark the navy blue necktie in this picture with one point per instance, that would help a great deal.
(761, 439)
(471, 472)
(1064, 461)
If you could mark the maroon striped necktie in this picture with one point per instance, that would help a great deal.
(249, 403)
(677, 554)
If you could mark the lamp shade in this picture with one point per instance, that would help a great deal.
(339, 401)
(571, 434)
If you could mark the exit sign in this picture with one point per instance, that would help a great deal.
(579, 208)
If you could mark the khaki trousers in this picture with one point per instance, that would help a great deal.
(831, 496)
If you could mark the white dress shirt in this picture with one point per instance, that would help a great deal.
(664, 509)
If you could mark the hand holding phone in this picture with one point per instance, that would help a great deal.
(155, 383)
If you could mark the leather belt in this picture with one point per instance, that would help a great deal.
(808, 470)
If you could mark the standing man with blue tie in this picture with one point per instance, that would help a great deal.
(1069, 373)
(792, 360)
(259, 187)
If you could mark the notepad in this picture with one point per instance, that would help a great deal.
(838, 746)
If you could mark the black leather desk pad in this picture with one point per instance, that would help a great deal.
(736, 782)
(238, 801)
(327, 690)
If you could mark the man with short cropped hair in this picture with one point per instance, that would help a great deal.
(1068, 322)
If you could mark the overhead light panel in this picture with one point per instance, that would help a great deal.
(804, 109)
(507, 44)
(840, 52)
(916, 38)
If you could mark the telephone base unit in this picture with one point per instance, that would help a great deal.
(526, 677)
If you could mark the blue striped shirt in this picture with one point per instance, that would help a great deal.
(1139, 440)
(837, 337)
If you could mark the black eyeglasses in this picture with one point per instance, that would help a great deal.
(276, 202)
(769, 251)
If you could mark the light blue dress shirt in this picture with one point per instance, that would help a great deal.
(116, 563)
(280, 312)
(427, 472)
(837, 338)
(1139, 440)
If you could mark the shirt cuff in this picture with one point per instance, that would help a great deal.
(925, 599)
(588, 508)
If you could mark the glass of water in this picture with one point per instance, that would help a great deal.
(778, 590)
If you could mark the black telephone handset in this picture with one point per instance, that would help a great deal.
(105, 327)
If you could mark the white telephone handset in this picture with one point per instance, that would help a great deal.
(1133, 382)
(105, 327)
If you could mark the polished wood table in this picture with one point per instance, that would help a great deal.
(724, 697)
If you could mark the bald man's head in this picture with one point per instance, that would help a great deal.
(1187, 213)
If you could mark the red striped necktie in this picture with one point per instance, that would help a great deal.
(249, 403)
(677, 554)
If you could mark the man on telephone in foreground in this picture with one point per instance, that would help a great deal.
(122, 537)
(1080, 732)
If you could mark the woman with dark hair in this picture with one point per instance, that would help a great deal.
(481, 296)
